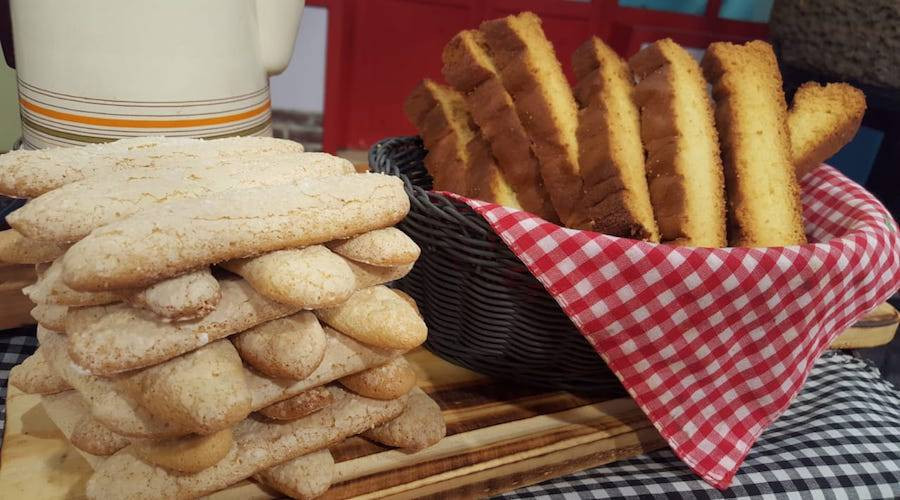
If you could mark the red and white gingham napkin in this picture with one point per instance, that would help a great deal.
(713, 344)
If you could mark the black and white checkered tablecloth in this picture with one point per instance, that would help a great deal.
(839, 439)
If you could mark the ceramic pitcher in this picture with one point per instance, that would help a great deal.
(97, 70)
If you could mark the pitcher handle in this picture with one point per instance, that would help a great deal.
(278, 22)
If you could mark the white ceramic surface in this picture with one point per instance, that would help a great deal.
(96, 70)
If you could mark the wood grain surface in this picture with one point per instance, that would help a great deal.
(500, 436)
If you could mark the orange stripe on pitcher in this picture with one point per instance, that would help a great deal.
(131, 123)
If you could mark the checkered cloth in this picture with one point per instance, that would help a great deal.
(839, 439)
(15, 346)
(714, 343)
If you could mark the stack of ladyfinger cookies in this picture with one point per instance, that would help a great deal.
(213, 311)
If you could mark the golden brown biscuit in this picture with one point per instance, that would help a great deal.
(204, 390)
(189, 296)
(35, 376)
(388, 381)
(368, 276)
(18, 249)
(189, 454)
(71, 212)
(684, 170)
(151, 246)
(258, 445)
(305, 477)
(28, 174)
(409, 300)
(290, 347)
(66, 410)
(305, 278)
(379, 317)
(468, 67)
(93, 437)
(763, 196)
(446, 145)
(615, 198)
(97, 344)
(459, 159)
(822, 119)
(532, 75)
(110, 405)
(419, 426)
(300, 405)
(343, 356)
(50, 316)
(50, 289)
(115, 407)
(388, 247)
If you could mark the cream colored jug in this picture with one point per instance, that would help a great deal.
(96, 70)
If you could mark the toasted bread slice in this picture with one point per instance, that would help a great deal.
(533, 77)
(468, 68)
(458, 158)
(616, 196)
(751, 114)
(822, 119)
(684, 170)
(446, 146)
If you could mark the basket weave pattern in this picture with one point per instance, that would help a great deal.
(484, 309)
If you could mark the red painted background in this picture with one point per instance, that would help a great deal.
(379, 50)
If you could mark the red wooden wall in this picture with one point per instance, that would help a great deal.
(379, 50)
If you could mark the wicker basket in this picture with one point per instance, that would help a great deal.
(484, 309)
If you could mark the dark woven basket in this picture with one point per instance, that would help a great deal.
(484, 309)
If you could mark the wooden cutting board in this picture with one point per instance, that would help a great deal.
(499, 437)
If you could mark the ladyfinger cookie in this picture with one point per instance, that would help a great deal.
(290, 347)
(306, 278)
(368, 275)
(15, 248)
(419, 426)
(34, 376)
(66, 410)
(385, 247)
(124, 413)
(379, 317)
(388, 381)
(304, 477)
(97, 342)
(300, 405)
(28, 174)
(258, 445)
(203, 391)
(71, 212)
(153, 245)
(114, 408)
(751, 114)
(188, 454)
(343, 356)
(91, 436)
(50, 316)
(189, 296)
(50, 289)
